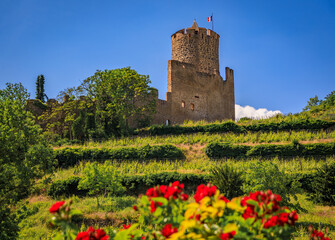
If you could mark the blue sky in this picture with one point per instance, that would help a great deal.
(282, 51)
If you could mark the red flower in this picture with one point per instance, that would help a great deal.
(92, 234)
(167, 192)
(224, 199)
(271, 222)
(126, 226)
(55, 207)
(153, 206)
(135, 208)
(168, 230)
(226, 236)
(204, 191)
(266, 200)
(184, 197)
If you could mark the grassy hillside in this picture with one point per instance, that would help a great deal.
(116, 210)
(314, 125)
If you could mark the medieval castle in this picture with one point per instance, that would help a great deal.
(196, 90)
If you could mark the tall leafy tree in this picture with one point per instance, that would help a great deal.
(119, 94)
(18, 133)
(40, 92)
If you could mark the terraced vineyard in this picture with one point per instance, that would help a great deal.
(185, 160)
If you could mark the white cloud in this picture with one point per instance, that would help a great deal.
(253, 113)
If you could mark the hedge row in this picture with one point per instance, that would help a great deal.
(236, 128)
(70, 156)
(227, 150)
(134, 185)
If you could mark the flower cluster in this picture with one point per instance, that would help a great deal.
(317, 235)
(92, 234)
(173, 191)
(227, 236)
(266, 200)
(168, 230)
(282, 219)
(164, 213)
(56, 206)
(269, 204)
(204, 191)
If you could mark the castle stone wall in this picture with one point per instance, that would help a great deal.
(197, 47)
(196, 90)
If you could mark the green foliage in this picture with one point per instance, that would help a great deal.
(266, 175)
(311, 103)
(18, 133)
(224, 150)
(228, 180)
(66, 187)
(232, 127)
(41, 159)
(38, 103)
(61, 116)
(134, 184)
(139, 183)
(70, 156)
(101, 180)
(40, 93)
(8, 224)
(78, 128)
(323, 185)
(119, 94)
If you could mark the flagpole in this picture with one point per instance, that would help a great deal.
(212, 23)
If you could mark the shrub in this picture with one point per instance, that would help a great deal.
(137, 184)
(323, 185)
(70, 156)
(227, 150)
(134, 185)
(41, 157)
(266, 175)
(228, 180)
(67, 187)
(101, 180)
(303, 124)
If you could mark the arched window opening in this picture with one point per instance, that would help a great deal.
(182, 104)
(192, 107)
(167, 123)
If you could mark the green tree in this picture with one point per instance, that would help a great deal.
(119, 94)
(18, 133)
(40, 93)
(311, 103)
(60, 117)
(101, 180)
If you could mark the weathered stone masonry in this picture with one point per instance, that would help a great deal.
(196, 90)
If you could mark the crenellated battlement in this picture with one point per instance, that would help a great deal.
(191, 32)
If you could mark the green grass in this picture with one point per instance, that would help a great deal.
(318, 216)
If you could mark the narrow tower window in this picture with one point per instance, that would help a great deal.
(182, 104)
(192, 107)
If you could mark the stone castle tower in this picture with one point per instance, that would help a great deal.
(196, 90)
